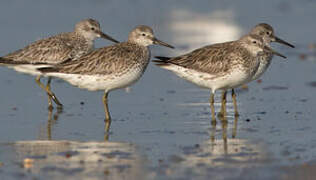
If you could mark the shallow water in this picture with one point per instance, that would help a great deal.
(161, 125)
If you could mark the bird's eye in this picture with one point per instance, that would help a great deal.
(255, 42)
(92, 28)
(143, 34)
(268, 33)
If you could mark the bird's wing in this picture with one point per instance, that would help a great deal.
(105, 60)
(50, 50)
(210, 59)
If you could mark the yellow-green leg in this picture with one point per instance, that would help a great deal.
(107, 113)
(235, 102)
(50, 94)
(50, 103)
(223, 104)
(212, 108)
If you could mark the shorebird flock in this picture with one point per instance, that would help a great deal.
(71, 56)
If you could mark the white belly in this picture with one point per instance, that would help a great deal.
(101, 82)
(29, 68)
(233, 79)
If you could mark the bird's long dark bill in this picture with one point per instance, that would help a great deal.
(105, 36)
(283, 42)
(158, 42)
(266, 48)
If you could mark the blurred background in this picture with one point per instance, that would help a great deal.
(165, 119)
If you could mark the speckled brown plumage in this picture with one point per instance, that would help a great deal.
(61, 47)
(113, 59)
(51, 50)
(216, 59)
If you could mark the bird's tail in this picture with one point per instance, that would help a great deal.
(5, 61)
(47, 69)
(8, 62)
(161, 61)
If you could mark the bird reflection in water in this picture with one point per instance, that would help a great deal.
(47, 130)
(224, 124)
(51, 122)
(223, 152)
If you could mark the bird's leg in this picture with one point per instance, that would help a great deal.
(107, 113)
(50, 104)
(213, 122)
(38, 81)
(50, 94)
(235, 102)
(223, 105)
